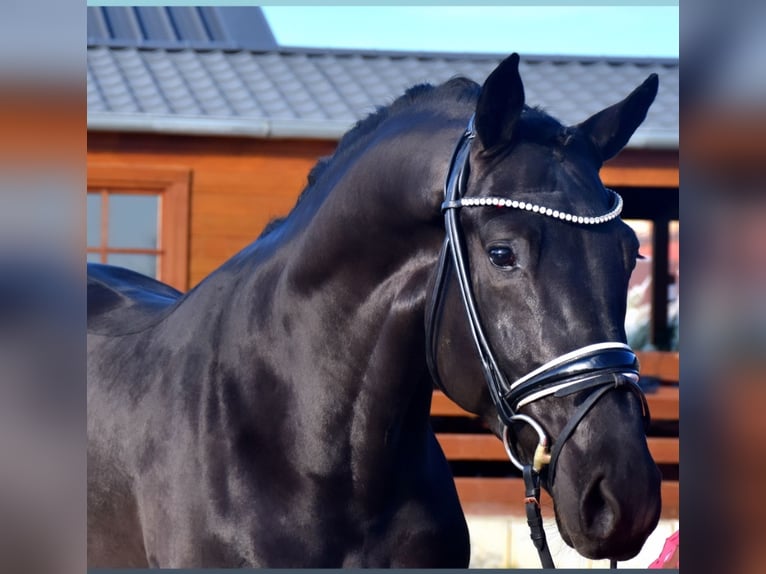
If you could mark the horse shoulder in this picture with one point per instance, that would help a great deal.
(122, 302)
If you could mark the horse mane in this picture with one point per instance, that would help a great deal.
(456, 90)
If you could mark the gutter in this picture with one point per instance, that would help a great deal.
(654, 139)
(285, 128)
(218, 126)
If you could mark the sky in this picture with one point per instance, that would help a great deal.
(633, 31)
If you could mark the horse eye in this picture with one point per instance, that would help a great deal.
(502, 256)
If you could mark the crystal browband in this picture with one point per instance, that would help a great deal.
(534, 208)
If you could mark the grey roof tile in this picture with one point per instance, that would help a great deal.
(334, 89)
(198, 27)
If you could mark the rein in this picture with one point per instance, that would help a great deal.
(599, 368)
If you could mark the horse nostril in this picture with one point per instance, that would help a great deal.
(598, 510)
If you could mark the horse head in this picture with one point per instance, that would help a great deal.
(546, 263)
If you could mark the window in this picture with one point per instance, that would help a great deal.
(644, 297)
(138, 218)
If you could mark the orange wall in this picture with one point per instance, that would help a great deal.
(238, 184)
(642, 168)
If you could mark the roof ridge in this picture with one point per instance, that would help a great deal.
(390, 54)
(468, 55)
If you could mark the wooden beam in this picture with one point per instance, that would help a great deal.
(661, 364)
(663, 404)
(487, 447)
(660, 331)
(441, 406)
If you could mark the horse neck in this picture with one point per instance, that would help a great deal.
(344, 319)
(321, 322)
(362, 265)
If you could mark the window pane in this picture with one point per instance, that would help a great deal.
(673, 289)
(146, 264)
(639, 312)
(94, 219)
(94, 258)
(133, 220)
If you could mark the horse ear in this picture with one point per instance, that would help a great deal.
(500, 103)
(610, 129)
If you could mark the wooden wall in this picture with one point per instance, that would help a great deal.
(239, 184)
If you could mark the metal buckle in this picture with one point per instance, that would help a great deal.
(542, 455)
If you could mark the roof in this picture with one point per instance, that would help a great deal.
(206, 80)
(173, 27)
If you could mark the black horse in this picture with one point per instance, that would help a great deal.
(278, 414)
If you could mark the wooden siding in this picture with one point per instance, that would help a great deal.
(642, 168)
(238, 184)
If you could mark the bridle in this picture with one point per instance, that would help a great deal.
(598, 368)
